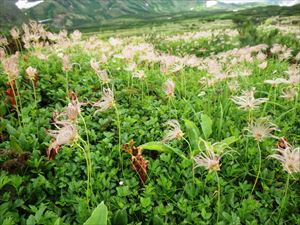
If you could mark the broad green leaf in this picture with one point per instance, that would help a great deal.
(23, 142)
(57, 222)
(157, 220)
(230, 140)
(192, 133)
(221, 146)
(157, 146)
(120, 218)
(3, 181)
(206, 125)
(40, 212)
(10, 129)
(99, 216)
(161, 147)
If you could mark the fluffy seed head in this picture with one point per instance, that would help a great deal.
(169, 88)
(174, 132)
(261, 129)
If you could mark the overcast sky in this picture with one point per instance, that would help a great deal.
(283, 2)
(240, 1)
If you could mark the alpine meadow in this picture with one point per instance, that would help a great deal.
(166, 112)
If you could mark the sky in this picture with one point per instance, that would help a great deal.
(241, 1)
(24, 4)
(283, 2)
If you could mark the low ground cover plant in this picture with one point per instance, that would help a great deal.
(122, 131)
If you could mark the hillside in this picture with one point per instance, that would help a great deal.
(74, 13)
(10, 14)
(96, 14)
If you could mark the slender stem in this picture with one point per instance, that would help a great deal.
(119, 133)
(36, 106)
(221, 120)
(8, 49)
(15, 98)
(172, 102)
(20, 46)
(147, 86)
(219, 195)
(266, 104)
(67, 86)
(87, 145)
(285, 197)
(85, 128)
(142, 92)
(128, 80)
(34, 92)
(295, 109)
(19, 96)
(250, 116)
(259, 168)
(16, 43)
(88, 176)
(190, 148)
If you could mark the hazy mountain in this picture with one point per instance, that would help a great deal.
(10, 14)
(80, 12)
(92, 13)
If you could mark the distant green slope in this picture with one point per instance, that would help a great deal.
(101, 14)
(74, 13)
(10, 15)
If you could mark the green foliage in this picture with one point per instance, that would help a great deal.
(120, 218)
(99, 215)
(158, 146)
(192, 133)
(35, 190)
(248, 34)
(206, 125)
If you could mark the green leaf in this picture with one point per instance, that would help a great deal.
(40, 212)
(57, 222)
(3, 181)
(192, 133)
(10, 129)
(120, 218)
(157, 220)
(23, 142)
(230, 140)
(145, 202)
(206, 125)
(221, 146)
(30, 220)
(161, 147)
(14, 144)
(99, 216)
(157, 146)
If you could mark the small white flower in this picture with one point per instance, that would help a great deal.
(106, 102)
(289, 94)
(261, 129)
(174, 133)
(139, 74)
(276, 81)
(289, 157)
(31, 73)
(263, 65)
(169, 88)
(247, 101)
(209, 160)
